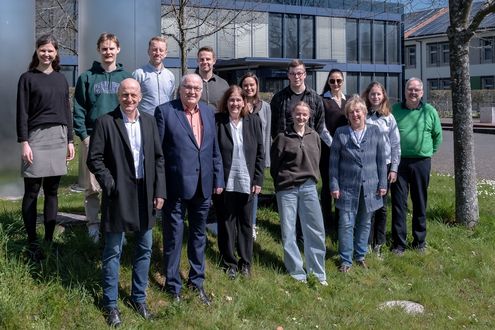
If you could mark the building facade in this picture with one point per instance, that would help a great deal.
(361, 38)
(426, 50)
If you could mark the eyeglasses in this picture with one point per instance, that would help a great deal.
(336, 81)
(297, 74)
(192, 88)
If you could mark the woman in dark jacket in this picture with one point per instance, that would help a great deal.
(240, 140)
(334, 102)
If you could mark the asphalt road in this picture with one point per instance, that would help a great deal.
(484, 151)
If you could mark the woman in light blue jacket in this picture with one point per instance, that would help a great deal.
(379, 113)
(358, 181)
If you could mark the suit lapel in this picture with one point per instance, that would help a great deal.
(119, 121)
(181, 115)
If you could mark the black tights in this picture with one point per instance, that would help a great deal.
(30, 200)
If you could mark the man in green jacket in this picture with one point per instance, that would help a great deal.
(96, 95)
(420, 137)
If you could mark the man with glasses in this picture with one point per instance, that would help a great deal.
(194, 171)
(283, 102)
(420, 137)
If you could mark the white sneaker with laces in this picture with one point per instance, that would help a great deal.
(324, 283)
(254, 233)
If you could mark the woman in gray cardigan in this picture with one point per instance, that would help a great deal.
(358, 180)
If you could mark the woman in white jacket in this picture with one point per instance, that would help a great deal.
(379, 113)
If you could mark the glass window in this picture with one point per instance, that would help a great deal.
(307, 37)
(393, 88)
(275, 35)
(351, 83)
(392, 43)
(410, 57)
(290, 36)
(364, 81)
(365, 41)
(433, 59)
(225, 42)
(379, 42)
(351, 40)
(380, 77)
(487, 82)
(487, 50)
(445, 53)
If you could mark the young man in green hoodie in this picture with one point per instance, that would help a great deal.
(96, 95)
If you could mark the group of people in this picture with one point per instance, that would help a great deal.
(150, 148)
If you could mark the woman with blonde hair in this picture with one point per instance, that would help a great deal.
(379, 114)
(358, 181)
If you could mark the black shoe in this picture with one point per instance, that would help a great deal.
(398, 251)
(113, 316)
(232, 273)
(202, 295)
(142, 310)
(245, 270)
(35, 253)
(176, 298)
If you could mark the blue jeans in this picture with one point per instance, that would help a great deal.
(354, 231)
(140, 267)
(302, 200)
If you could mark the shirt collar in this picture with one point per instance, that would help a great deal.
(126, 120)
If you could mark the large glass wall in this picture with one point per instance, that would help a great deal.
(351, 36)
(291, 36)
(365, 41)
(357, 82)
(374, 42)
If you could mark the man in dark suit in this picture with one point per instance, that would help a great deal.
(193, 168)
(126, 158)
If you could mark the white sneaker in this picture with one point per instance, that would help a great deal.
(94, 232)
(254, 233)
(324, 283)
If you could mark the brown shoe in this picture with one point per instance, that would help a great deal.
(362, 263)
(344, 268)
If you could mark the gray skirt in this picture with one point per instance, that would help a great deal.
(49, 146)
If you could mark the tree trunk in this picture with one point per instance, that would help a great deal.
(466, 197)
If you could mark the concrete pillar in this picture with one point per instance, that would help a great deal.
(134, 22)
(17, 34)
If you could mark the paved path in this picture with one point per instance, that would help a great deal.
(484, 150)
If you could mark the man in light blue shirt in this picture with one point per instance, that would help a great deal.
(157, 82)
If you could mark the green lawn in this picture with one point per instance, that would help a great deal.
(454, 280)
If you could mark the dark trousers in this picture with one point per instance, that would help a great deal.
(50, 208)
(379, 223)
(330, 220)
(173, 230)
(413, 175)
(235, 228)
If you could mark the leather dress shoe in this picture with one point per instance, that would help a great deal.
(232, 273)
(113, 316)
(245, 270)
(142, 310)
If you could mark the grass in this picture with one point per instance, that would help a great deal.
(454, 280)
